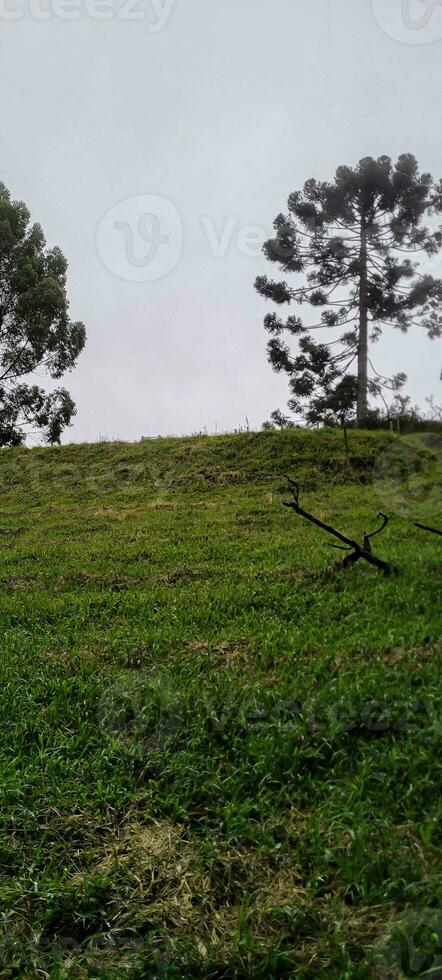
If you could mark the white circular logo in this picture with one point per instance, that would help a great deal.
(410, 21)
(141, 239)
(412, 947)
(143, 709)
(408, 476)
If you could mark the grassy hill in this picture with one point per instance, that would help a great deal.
(217, 758)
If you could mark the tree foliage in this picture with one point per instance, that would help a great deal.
(35, 331)
(353, 242)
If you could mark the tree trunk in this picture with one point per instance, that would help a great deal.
(347, 448)
(362, 406)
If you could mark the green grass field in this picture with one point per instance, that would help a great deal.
(218, 758)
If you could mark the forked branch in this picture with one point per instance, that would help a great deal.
(355, 550)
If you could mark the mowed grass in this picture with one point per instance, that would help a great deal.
(217, 758)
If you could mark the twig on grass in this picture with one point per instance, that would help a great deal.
(355, 550)
(425, 527)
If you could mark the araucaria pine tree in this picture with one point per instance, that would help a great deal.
(36, 334)
(354, 242)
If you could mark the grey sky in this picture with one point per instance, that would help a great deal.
(222, 107)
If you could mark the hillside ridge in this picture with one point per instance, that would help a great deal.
(196, 462)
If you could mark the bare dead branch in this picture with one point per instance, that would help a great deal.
(355, 550)
(425, 527)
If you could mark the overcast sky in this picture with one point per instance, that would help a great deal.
(156, 141)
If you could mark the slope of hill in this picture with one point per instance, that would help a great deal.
(217, 758)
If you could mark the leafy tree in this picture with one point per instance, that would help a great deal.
(353, 241)
(35, 331)
(278, 420)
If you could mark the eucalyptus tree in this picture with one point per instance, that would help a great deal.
(36, 334)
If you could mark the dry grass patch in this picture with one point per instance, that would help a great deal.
(233, 654)
(154, 875)
(159, 879)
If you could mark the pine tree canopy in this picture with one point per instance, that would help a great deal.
(353, 245)
(35, 331)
